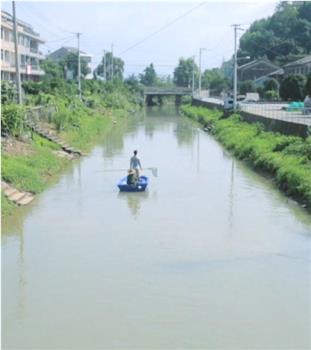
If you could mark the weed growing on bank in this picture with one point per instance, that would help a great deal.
(79, 122)
(6, 206)
(32, 172)
(287, 158)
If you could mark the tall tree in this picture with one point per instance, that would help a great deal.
(110, 65)
(292, 87)
(184, 71)
(283, 37)
(215, 80)
(70, 63)
(149, 76)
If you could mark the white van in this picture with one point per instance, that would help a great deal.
(252, 97)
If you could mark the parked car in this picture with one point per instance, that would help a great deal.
(228, 104)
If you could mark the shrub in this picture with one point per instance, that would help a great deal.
(271, 85)
(246, 86)
(13, 119)
(307, 88)
(271, 95)
(8, 92)
(292, 88)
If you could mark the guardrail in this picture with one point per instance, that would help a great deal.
(167, 91)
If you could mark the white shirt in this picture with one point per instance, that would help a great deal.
(135, 163)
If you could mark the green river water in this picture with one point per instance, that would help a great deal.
(212, 256)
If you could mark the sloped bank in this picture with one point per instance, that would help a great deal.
(31, 163)
(286, 158)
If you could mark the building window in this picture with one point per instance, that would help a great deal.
(2, 55)
(6, 56)
(23, 60)
(11, 36)
(2, 33)
(6, 35)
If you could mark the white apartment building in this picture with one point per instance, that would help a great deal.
(28, 49)
(62, 52)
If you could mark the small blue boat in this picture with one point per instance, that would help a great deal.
(139, 187)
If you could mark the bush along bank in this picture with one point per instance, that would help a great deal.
(30, 162)
(286, 158)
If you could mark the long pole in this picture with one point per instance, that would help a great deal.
(235, 76)
(112, 68)
(104, 63)
(193, 63)
(18, 75)
(200, 74)
(79, 66)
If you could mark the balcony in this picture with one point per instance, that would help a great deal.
(34, 50)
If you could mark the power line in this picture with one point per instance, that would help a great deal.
(35, 20)
(162, 28)
(40, 16)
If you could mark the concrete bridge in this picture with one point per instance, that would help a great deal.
(150, 92)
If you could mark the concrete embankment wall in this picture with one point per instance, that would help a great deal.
(270, 124)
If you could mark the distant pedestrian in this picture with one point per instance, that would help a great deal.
(135, 163)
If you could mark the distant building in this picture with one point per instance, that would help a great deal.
(256, 69)
(30, 56)
(61, 53)
(301, 66)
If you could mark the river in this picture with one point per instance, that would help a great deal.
(212, 256)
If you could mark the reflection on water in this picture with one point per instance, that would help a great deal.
(134, 200)
(210, 243)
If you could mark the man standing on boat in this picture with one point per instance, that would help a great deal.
(135, 164)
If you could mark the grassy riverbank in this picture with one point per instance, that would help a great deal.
(286, 158)
(32, 163)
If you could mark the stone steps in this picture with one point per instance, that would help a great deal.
(16, 196)
(54, 139)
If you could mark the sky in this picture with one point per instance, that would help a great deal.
(143, 32)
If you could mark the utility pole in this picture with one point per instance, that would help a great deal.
(235, 73)
(104, 64)
(193, 64)
(200, 74)
(112, 68)
(79, 65)
(18, 75)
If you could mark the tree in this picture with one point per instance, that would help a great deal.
(271, 85)
(292, 87)
(52, 81)
(184, 71)
(70, 63)
(215, 80)
(246, 86)
(132, 82)
(284, 36)
(108, 64)
(52, 69)
(149, 76)
(307, 89)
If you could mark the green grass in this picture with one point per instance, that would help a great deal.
(32, 172)
(6, 206)
(286, 158)
(80, 123)
(86, 132)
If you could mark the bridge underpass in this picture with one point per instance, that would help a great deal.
(152, 92)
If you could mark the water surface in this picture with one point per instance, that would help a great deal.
(212, 256)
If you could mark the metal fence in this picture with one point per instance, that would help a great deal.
(272, 110)
(40, 113)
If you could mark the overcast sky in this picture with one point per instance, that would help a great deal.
(171, 29)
